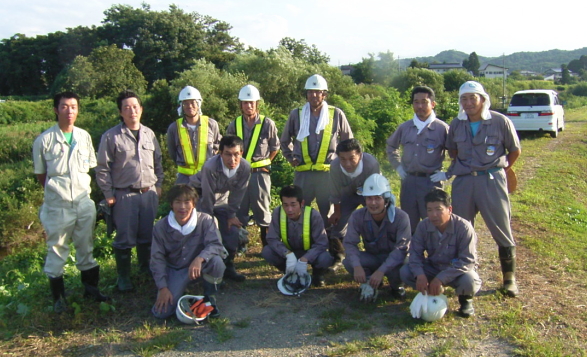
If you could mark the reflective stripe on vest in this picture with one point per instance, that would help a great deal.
(305, 229)
(319, 165)
(254, 141)
(192, 165)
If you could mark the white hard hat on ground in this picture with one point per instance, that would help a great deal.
(376, 185)
(429, 308)
(316, 82)
(249, 93)
(183, 311)
(293, 285)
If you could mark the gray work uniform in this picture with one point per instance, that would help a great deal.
(176, 152)
(221, 196)
(314, 183)
(257, 198)
(480, 184)
(450, 256)
(172, 253)
(275, 250)
(385, 245)
(422, 155)
(343, 191)
(129, 170)
(67, 214)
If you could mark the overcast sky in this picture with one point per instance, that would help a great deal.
(348, 30)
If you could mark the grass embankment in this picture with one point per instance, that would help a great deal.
(548, 319)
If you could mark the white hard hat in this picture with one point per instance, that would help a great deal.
(249, 93)
(188, 93)
(376, 185)
(293, 285)
(316, 82)
(435, 308)
(183, 312)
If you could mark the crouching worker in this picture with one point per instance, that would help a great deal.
(451, 258)
(186, 247)
(385, 230)
(296, 237)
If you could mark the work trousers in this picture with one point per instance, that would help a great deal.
(133, 215)
(413, 190)
(257, 198)
(323, 261)
(372, 262)
(315, 184)
(467, 284)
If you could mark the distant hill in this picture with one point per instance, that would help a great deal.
(529, 61)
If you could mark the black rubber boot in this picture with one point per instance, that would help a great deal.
(466, 309)
(210, 295)
(336, 249)
(90, 279)
(144, 258)
(264, 235)
(507, 257)
(58, 292)
(398, 293)
(230, 272)
(123, 258)
(318, 277)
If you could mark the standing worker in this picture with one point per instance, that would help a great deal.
(309, 141)
(222, 183)
(484, 145)
(130, 175)
(423, 139)
(193, 138)
(348, 173)
(261, 145)
(63, 156)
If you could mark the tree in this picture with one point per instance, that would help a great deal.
(167, 42)
(578, 65)
(300, 49)
(419, 77)
(104, 73)
(386, 67)
(363, 71)
(415, 64)
(454, 78)
(472, 64)
(566, 75)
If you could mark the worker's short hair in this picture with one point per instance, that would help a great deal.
(230, 141)
(292, 191)
(182, 190)
(438, 195)
(349, 145)
(424, 89)
(67, 95)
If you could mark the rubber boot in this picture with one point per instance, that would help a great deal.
(264, 235)
(507, 257)
(466, 308)
(90, 279)
(210, 295)
(123, 257)
(230, 272)
(398, 293)
(144, 258)
(318, 277)
(336, 249)
(58, 292)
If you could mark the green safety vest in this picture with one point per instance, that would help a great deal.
(193, 165)
(254, 141)
(319, 165)
(306, 228)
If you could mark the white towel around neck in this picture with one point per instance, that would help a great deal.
(186, 228)
(305, 121)
(422, 124)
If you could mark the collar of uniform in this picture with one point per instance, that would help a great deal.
(126, 129)
(257, 120)
(369, 217)
(450, 228)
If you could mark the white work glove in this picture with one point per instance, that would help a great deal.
(301, 268)
(368, 294)
(438, 176)
(401, 172)
(290, 263)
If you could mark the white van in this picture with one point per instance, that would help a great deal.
(537, 110)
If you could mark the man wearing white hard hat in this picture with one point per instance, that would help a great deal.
(484, 145)
(193, 138)
(261, 145)
(386, 234)
(443, 252)
(309, 140)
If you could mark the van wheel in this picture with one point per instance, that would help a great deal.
(554, 134)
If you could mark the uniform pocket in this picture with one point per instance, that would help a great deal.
(83, 160)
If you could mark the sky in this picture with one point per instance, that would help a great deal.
(345, 30)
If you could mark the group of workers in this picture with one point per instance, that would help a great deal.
(427, 244)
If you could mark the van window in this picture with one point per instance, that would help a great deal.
(530, 99)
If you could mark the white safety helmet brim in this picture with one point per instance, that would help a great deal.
(435, 308)
(286, 288)
(182, 316)
(249, 93)
(316, 82)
